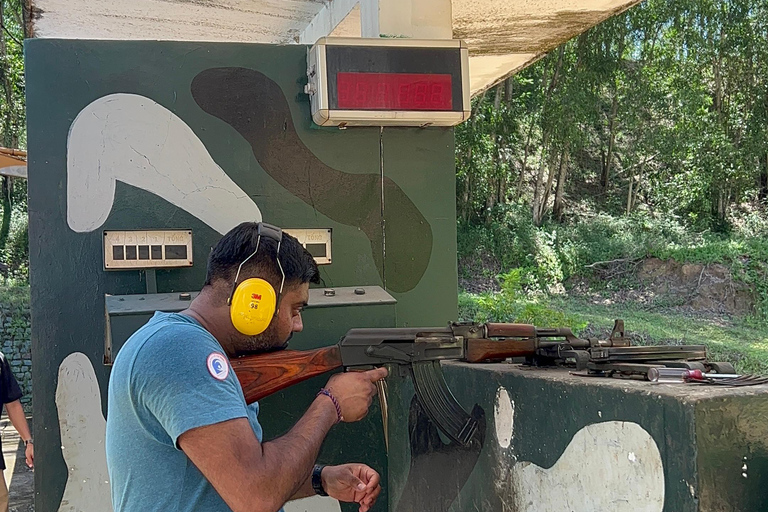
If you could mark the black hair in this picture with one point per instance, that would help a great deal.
(240, 242)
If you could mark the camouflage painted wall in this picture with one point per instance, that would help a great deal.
(201, 136)
(549, 440)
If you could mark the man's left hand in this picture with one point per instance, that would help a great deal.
(352, 483)
(29, 452)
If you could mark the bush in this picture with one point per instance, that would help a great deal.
(547, 256)
(518, 301)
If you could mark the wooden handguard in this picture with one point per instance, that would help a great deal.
(510, 330)
(265, 374)
(490, 350)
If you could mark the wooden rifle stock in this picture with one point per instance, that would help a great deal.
(479, 350)
(265, 374)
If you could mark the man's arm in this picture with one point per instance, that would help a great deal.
(305, 490)
(19, 422)
(255, 477)
(251, 476)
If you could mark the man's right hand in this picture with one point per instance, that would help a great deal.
(354, 391)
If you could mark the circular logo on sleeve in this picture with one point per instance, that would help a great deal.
(218, 366)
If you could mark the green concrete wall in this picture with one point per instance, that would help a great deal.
(565, 442)
(245, 104)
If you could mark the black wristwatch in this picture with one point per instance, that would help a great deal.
(317, 482)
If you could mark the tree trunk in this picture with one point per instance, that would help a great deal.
(540, 196)
(639, 185)
(7, 127)
(490, 200)
(5, 225)
(559, 208)
(467, 196)
(762, 194)
(537, 192)
(611, 141)
(524, 163)
(552, 164)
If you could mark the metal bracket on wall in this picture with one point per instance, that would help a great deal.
(126, 313)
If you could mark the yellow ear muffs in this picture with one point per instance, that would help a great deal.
(252, 306)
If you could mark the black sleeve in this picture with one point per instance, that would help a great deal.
(9, 388)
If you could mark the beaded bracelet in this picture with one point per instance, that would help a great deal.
(327, 393)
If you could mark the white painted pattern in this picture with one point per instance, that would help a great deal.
(504, 418)
(133, 139)
(313, 504)
(612, 465)
(83, 433)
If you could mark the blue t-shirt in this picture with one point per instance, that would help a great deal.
(169, 377)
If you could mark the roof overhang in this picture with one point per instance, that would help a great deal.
(503, 36)
(13, 162)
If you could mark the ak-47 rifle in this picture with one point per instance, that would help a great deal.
(422, 349)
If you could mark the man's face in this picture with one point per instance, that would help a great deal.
(283, 325)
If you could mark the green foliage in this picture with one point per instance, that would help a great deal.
(516, 302)
(15, 254)
(663, 109)
(509, 237)
(16, 294)
(548, 256)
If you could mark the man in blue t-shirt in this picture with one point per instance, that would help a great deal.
(180, 436)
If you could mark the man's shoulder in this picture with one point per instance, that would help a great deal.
(167, 335)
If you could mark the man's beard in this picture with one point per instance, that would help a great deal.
(267, 341)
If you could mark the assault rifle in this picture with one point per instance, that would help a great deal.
(420, 350)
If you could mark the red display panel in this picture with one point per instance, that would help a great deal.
(394, 91)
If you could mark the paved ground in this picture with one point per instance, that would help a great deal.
(20, 479)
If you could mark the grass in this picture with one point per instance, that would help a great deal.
(13, 294)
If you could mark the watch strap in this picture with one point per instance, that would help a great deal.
(317, 482)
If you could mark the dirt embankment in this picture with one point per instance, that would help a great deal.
(692, 287)
(664, 284)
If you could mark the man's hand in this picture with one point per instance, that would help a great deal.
(352, 483)
(29, 452)
(355, 391)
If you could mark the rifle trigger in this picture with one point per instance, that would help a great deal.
(381, 385)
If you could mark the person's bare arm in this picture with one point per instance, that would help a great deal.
(255, 477)
(305, 490)
(19, 422)
(18, 419)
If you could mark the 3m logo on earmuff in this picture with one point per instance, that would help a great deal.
(256, 296)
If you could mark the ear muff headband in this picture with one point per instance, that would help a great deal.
(253, 303)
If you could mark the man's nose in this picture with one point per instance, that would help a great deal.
(298, 325)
